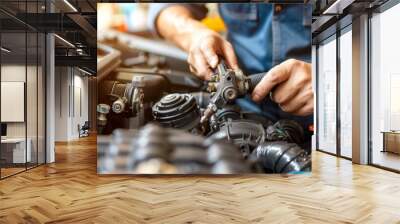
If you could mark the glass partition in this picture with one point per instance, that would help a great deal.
(326, 69)
(35, 87)
(22, 77)
(14, 145)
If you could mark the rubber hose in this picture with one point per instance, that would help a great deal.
(283, 157)
(255, 79)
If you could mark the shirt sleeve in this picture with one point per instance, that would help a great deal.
(199, 11)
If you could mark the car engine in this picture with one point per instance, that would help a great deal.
(149, 122)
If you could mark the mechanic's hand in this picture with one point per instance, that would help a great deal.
(204, 52)
(291, 82)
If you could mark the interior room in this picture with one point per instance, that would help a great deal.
(56, 109)
(23, 98)
(384, 89)
(46, 82)
(334, 59)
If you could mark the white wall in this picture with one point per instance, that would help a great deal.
(33, 127)
(70, 83)
(61, 103)
(81, 82)
(12, 73)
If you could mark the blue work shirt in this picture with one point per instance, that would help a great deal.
(263, 35)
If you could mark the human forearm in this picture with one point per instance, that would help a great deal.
(178, 25)
(204, 46)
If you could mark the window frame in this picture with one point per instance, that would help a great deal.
(328, 38)
(339, 28)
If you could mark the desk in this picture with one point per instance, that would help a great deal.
(391, 141)
(13, 150)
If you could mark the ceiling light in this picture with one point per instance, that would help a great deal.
(84, 71)
(70, 5)
(65, 41)
(337, 7)
(5, 50)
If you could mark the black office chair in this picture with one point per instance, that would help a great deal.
(84, 130)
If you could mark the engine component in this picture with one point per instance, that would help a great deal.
(220, 151)
(145, 59)
(229, 112)
(102, 110)
(125, 83)
(237, 141)
(229, 167)
(176, 81)
(151, 143)
(177, 111)
(233, 112)
(131, 98)
(118, 106)
(154, 149)
(247, 130)
(132, 95)
(286, 130)
(282, 157)
(202, 98)
(137, 93)
(258, 118)
(244, 133)
(226, 85)
(108, 59)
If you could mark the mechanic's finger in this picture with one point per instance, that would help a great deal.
(201, 66)
(192, 69)
(300, 80)
(229, 55)
(208, 50)
(190, 61)
(294, 104)
(299, 100)
(276, 75)
(285, 92)
(306, 110)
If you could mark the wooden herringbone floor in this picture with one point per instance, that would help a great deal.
(69, 191)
